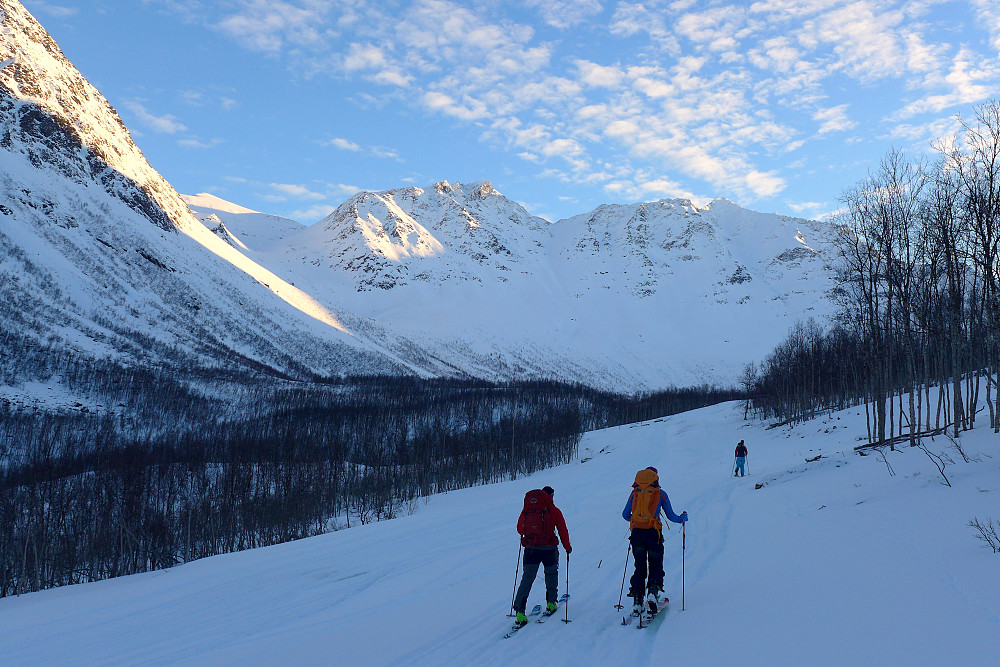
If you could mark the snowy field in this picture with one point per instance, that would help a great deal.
(832, 562)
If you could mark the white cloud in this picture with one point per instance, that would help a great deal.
(565, 13)
(364, 57)
(925, 134)
(351, 146)
(622, 128)
(57, 11)
(988, 15)
(470, 109)
(166, 124)
(592, 74)
(643, 189)
(197, 98)
(718, 91)
(344, 145)
(834, 119)
(295, 191)
(720, 28)
(967, 82)
(341, 189)
(812, 209)
(198, 143)
(386, 153)
(631, 19)
(313, 213)
(273, 25)
(562, 147)
(765, 184)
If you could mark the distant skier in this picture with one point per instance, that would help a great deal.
(642, 511)
(537, 526)
(741, 460)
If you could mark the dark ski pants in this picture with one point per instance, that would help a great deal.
(647, 546)
(533, 557)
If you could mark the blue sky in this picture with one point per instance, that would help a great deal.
(290, 106)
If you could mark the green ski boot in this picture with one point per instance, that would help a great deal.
(520, 619)
(551, 607)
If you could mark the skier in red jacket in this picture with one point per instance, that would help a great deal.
(537, 526)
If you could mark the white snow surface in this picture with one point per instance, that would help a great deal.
(832, 562)
(210, 201)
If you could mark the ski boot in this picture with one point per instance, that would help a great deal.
(654, 599)
(551, 607)
(520, 619)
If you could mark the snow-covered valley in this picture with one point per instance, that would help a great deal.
(641, 295)
(830, 562)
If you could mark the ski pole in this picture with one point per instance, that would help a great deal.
(517, 571)
(683, 553)
(624, 572)
(566, 620)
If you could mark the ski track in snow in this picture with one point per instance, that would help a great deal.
(831, 562)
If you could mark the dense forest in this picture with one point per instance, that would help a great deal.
(920, 296)
(161, 467)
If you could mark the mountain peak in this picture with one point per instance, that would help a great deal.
(58, 112)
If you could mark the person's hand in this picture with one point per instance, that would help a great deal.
(684, 517)
(569, 550)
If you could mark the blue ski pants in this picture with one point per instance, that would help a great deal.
(741, 464)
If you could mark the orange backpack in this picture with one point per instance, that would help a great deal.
(645, 501)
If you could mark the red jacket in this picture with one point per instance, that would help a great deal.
(544, 501)
(738, 448)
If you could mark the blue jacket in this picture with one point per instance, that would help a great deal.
(664, 506)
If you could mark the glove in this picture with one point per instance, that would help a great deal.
(569, 550)
(684, 517)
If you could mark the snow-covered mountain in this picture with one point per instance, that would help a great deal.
(444, 234)
(627, 295)
(99, 255)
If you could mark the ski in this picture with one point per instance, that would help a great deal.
(535, 611)
(560, 602)
(627, 620)
(648, 615)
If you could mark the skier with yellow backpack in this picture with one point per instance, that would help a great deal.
(642, 512)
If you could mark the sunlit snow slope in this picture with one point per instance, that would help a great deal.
(100, 256)
(832, 562)
(626, 296)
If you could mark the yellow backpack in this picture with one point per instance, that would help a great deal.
(645, 501)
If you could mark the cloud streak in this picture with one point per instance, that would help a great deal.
(166, 124)
(711, 97)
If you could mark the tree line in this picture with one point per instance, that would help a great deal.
(174, 467)
(919, 292)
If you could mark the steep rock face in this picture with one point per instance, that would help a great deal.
(99, 254)
(52, 103)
